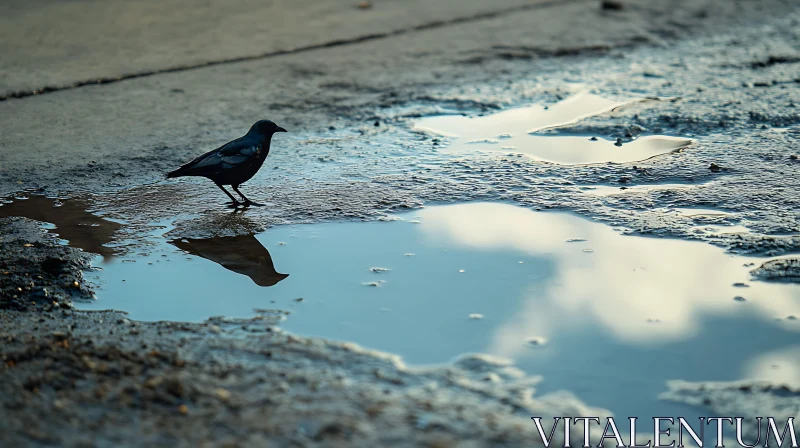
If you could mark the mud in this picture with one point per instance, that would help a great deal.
(785, 270)
(36, 272)
(748, 399)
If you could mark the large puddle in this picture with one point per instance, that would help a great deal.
(517, 131)
(606, 316)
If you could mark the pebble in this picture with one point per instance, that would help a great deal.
(153, 382)
(222, 394)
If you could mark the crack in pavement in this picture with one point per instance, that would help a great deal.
(331, 44)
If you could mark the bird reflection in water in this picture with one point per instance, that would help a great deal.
(241, 254)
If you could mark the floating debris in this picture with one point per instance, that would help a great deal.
(535, 341)
(476, 316)
(374, 284)
(740, 299)
(379, 270)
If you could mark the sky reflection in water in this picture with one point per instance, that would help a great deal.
(620, 314)
(516, 131)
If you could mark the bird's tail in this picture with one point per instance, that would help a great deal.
(177, 173)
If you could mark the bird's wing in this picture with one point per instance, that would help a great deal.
(226, 156)
(240, 147)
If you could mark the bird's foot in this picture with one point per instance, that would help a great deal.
(254, 204)
(234, 204)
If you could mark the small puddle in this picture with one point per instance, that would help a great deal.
(516, 131)
(606, 316)
(70, 220)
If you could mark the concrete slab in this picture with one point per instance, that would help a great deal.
(48, 43)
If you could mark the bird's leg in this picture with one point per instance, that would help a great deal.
(235, 202)
(246, 201)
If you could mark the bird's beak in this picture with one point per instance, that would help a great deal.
(280, 129)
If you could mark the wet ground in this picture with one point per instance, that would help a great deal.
(624, 215)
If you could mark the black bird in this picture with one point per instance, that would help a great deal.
(235, 162)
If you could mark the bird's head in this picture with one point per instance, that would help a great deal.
(265, 128)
